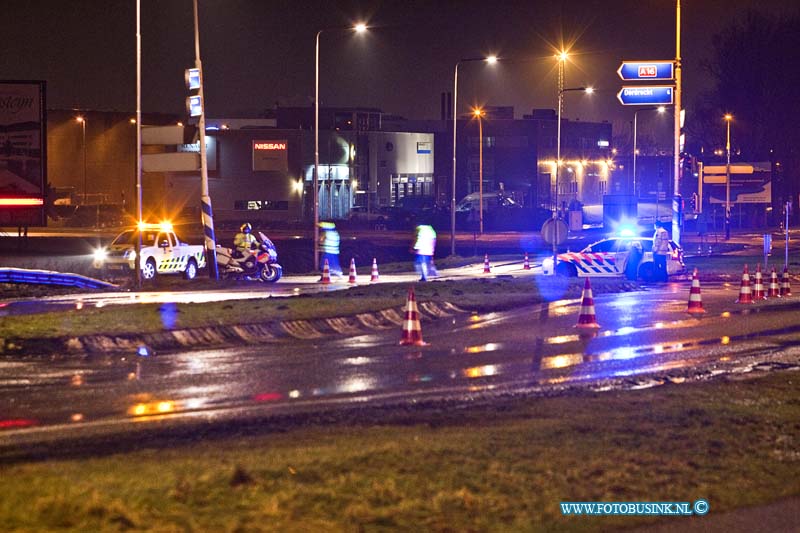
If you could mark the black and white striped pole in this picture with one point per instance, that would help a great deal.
(205, 199)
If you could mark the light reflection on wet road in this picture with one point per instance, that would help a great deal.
(531, 348)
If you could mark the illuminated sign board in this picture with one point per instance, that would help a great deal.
(270, 156)
(23, 157)
(646, 95)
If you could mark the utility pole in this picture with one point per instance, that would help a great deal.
(676, 208)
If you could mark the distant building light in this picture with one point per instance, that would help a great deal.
(603, 144)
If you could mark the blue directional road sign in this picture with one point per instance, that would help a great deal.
(646, 95)
(646, 70)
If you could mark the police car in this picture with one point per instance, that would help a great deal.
(616, 256)
(162, 253)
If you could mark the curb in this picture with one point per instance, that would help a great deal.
(224, 336)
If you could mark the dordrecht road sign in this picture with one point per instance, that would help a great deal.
(646, 95)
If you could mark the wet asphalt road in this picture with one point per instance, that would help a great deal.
(646, 338)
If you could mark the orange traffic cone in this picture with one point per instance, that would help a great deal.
(326, 274)
(526, 265)
(352, 278)
(374, 276)
(695, 299)
(758, 288)
(774, 288)
(486, 268)
(412, 331)
(745, 296)
(786, 287)
(587, 318)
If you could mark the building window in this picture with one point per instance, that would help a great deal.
(603, 185)
(261, 205)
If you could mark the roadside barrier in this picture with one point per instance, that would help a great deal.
(745, 296)
(695, 299)
(374, 276)
(758, 288)
(587, 318)
(526, 265)
(353, 274)
(487, 269)
(326, 274)
(412, 330)
(786, 286)
(774, 288)
(47, 277)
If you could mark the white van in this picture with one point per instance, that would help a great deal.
(491, 200)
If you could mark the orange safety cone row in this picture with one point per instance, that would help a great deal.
(412, 330)
(695, 299)
(587, 317)
(745, 296)
(786, 286)
(486, 267)
(758, 287)
(374, 276)
(526, 265)
(353, 274)
(774, 288)
(326, 274)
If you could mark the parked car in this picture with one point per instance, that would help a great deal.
(98, 216)
(610, 257)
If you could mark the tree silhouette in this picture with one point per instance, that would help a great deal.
(756, 73)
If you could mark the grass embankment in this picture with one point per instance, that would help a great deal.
(502, 467)
(486, 294)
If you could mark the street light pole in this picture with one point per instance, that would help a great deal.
(358, 28)
(491, 60)
(660, 109)
(82, 120)
(561, 92)
(728, 117)
(479, 114)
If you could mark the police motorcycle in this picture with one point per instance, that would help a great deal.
(260, 263)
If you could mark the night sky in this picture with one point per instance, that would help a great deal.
(257, 53)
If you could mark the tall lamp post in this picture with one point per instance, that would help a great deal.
(358, 28)
(728, 118)
(82, 121)
(491, 60)
(587, 90)
(478, 112)
(660, 109)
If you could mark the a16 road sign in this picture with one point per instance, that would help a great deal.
(646, 70)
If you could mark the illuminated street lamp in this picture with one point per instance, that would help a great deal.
(587, 90)
(660, 109)
(491, 60)
(728, 118)
(358, 28)
(82, 121)
(479, 113)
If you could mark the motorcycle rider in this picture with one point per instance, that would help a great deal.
(244, 241)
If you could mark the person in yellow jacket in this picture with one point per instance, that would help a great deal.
(244, 241)
(329, 244)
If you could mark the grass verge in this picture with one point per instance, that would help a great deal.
(498, 467)
(486, 294)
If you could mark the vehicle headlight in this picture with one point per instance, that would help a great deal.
(100, 255)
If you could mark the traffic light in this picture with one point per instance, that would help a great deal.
(194, 102)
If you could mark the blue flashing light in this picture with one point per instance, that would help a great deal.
(144, 351)
(626, 231)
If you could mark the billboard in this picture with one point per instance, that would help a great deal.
(23, 153)
(751, 183)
